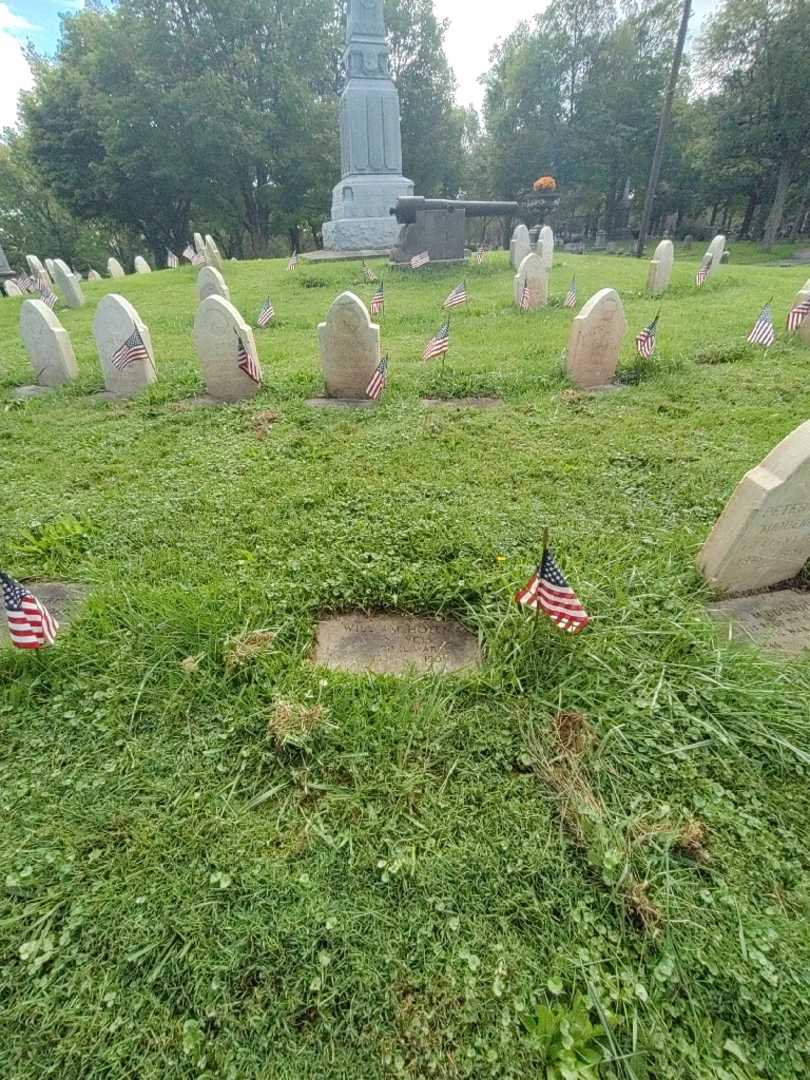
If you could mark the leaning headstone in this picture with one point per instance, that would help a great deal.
(11, 288)
(117, 323)
(212, 253)
(48, 346)
(36, 268)
(763, 535)
(199, 244)
(93, 275)
(67, 285)
(218, 329)
(115, 269)
(714, 253)
(660, 273)
(211, 283)
(520, 246)
(350, 348)
(533, 273)
(49, 267)
(545, 247)
(142, 266)
(596, 340)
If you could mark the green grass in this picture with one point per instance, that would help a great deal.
(387, 894)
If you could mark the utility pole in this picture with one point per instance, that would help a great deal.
(663, 129)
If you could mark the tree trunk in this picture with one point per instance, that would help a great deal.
(772, 225)
(663, 128)
(798, 224)
(748, 217)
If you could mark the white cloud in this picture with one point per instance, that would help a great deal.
(15, 74)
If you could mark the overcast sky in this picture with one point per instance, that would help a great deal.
(474, 29)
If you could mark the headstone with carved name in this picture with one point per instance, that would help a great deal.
(350, 348)
(124, 347)
(596, 340)
(533, 277)
(227, 351)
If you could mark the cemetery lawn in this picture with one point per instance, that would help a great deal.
(221, 861)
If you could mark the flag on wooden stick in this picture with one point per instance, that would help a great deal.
(379, 380)
(457, 298)
(438, 344)
(30, 624)
(247, 361)
(646, 340)
(703, 272)
(571, 295)
(370, 275)
(267, 314)
(798, 313)
(548, 591)
(420, 260)
(525, 297)
(764, 332)
(378, 301)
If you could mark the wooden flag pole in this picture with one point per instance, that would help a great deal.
(543, 559)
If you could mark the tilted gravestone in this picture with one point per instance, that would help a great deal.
(211, 283)
(545, 247)
(142, 266)
(11, 288)
(36, 268)
(660, 273)
(350, 348)
(596, 340)
(67, 285)
(218, 331)
(532, 273)
(714, 252)
(93, 275)
(212, 253)
(199, 244)
(763, 535)
(115, 269)
(49, 267)
(117, 323)
(520, 246)
(48, 346)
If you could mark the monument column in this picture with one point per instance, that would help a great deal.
(370, 140)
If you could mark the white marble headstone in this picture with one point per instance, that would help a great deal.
(49, 267)
(199, 244)
(217, 329)
(93, 275)
(68, 287)
(545, 247)
(212, 253)
(533, 273)
(115, 269)
(520, 246)
(211, 283)
(763, 535)
(660, 273)
(350, 348)
(116, 320)
(48, 346)
(142, 266)
(596, 340)
(713, 252)
(11, 288)
(36, 268)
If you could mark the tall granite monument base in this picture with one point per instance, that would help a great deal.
(361, 215)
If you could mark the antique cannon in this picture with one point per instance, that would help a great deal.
(438, 226)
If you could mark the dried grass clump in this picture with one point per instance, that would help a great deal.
(291, 724)
(239, 651)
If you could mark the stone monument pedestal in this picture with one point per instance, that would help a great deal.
(360, 213)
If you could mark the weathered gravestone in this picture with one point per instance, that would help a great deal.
(350, 348)
(212, 253)
(777, 621)
(660, 273)
(11, 288)
(49, 267)
(545, 247)
(93, 275)
(121, 335)
(596, 340)
(218, 331)
(142, 266)
(211, 283)
(48, 346)
(199, 244)
(36, 268)
(67, 285)
(520, 246)
(714, 252)
(395, 644)
(115, 269)
(532, 273)
(763, 535)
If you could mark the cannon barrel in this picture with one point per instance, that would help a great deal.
(406, 207)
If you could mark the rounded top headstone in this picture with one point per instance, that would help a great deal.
(141, 265)
(350, 348)
(47, 344)
(115, 322)
(596, 339)
(218, 331)
(210, 282)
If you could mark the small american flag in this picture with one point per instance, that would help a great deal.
(480, 255)
(457, 298)
(293, 263)
(548, 591)
(439, 343)
(378, 301)
(189, 252)
(763, 332)
(133, 349)
(369, 273)
(798, 313)
(198, 259)
(171, 260)
(46, 294)
(703, 272)
(267, 314)
(571, 296)
(375, 388)
(30, 624)
(27, 284)
(247, 362)
(420, 260)
(525, 297)
(645, 341)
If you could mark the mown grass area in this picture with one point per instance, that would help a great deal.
(221, 861)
